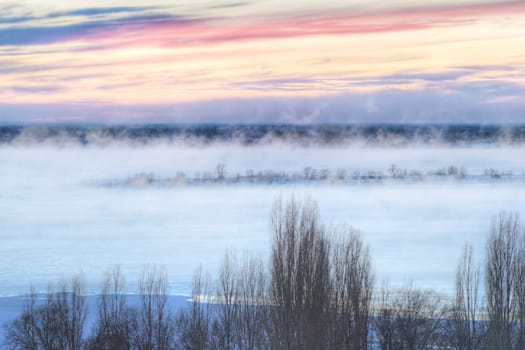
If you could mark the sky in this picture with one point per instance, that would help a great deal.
(266, 61)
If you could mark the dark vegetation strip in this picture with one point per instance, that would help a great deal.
(313, 175)
(305, 135)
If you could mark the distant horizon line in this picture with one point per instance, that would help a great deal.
(274, 124)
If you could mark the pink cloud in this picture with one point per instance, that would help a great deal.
(209, 32)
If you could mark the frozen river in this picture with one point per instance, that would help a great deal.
(56, 219)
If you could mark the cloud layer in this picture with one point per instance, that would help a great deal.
(256, 62)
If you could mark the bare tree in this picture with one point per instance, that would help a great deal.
(22, 334)
(519, 291)
(417, 322)
(193, 323)
(284, 226)
(155, 319)
(300, 287)
(51, 321)
(253, 307)
(239, 313)
(469, 329)
(220, 172)
(384, 321)
(77, 312)
(116, 321)
(502, 264)
(352, 286)
(227, 310)
(57, 324)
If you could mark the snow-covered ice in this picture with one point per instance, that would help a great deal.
(55, 221)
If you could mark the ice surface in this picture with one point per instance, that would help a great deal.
(55, 221)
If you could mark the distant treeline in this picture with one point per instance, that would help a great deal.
(309, 174)
(305, 135)
(317, 292)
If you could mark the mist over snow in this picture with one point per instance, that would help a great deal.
(55, 219)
